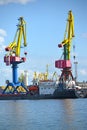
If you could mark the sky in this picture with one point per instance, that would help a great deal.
(46, 22)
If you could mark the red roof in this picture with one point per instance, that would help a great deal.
(33, 88)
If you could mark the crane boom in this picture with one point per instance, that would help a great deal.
(15, 46)
(22, 32)
(65, 63)
(69, 34)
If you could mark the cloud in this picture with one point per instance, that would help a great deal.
(2, 2)
(83, 72)
(3, 32)
(2, 39)
(7, 73)
(84, 35)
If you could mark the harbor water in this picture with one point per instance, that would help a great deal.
(65, 114)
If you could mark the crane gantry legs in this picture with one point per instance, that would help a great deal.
(15, 84)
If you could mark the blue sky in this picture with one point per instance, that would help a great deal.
(46, 23)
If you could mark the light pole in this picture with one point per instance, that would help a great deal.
(76, 75)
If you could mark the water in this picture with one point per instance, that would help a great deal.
(67, 114)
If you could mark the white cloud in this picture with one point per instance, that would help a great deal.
(3, 32)
(2, 48)
(2, 2)
(2, 39)
(7, 73)
(83, 72)
(84, 35)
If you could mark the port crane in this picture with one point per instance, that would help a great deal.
(13, 56)
(65, 63)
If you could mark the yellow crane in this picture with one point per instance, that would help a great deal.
(14, 57)
(65, 64)
(15, 46)
(69, 34)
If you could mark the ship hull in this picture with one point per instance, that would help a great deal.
(24, 97)
(66, 93)
(57, 95)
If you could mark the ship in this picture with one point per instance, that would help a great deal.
(44, 88)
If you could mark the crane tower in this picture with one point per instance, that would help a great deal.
(13, 56)
(65, 63)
